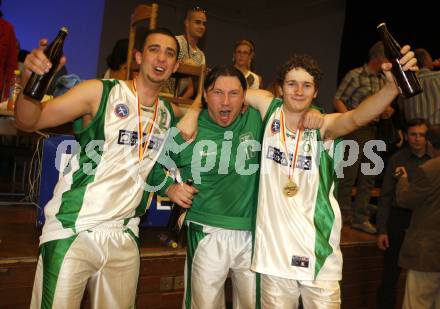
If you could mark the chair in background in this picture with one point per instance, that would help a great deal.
(144, 17)
(197, 73)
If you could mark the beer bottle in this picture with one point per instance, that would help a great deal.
(37, 85)
(176, 215)
(407, 81)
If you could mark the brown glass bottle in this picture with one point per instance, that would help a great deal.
(37, 85)
(407, 81)
(174, 228)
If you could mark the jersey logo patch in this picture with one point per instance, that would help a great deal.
(276, 155)
(121, 110)
(304, 162)
(155, 143)
(275, 126)
(300, 261)
(131, 138)
(127, 137)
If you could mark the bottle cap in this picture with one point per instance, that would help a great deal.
(64, 29)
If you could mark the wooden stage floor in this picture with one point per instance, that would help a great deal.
(161, 278)
(19, 236)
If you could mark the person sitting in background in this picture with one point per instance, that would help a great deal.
(420, 251)
(357, 85)
(117, 61)
(425, 105)
(190, 53)
(244, 54)
(392, 221)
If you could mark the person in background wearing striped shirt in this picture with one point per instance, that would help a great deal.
(425, 105)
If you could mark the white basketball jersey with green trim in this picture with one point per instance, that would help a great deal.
(106, 180)
(297, 237)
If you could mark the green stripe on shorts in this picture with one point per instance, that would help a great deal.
(195, 235)
(52, 253)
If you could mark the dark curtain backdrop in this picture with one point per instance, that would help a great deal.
(416, 23)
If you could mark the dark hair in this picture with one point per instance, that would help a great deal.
(222, 70)
(164, 31)
(416, 122)
(422, 57)
(119, 55)
(195, 9)
(376, 50)
(305, 62)
(433, 136)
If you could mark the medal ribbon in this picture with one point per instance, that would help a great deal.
(283, 139)
(144, 148)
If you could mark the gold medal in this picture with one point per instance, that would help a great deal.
(290, 189)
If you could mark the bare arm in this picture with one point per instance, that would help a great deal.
(188, 125)
(79, 101)
(259, 99)
(177, 110)
(31, 115)
(336, 125)
(340, 124)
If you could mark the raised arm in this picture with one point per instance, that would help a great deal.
(188, 124)
(259, 99)
(336, 125)
(31, 115)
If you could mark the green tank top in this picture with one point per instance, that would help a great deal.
(224, 165)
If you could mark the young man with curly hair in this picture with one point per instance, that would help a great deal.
(298, 218)
(297, 230)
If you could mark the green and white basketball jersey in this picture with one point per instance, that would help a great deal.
(106, 179)
(297, 237)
